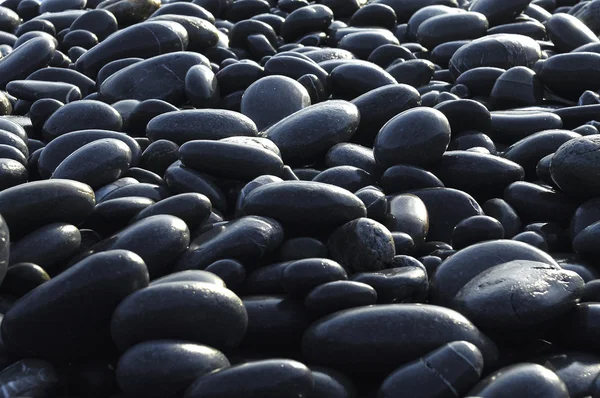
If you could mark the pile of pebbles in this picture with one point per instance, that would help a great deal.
(293, 199)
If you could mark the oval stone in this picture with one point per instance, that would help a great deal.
(194, 311)
(100, 281)
(347, 340)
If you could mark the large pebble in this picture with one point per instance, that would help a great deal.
(309, 133)
(347, 339)
(523, 293)
(449, 370)
(247, 239)
(232, 160)
(82, 115)
(144, 40)
(165, 368)
(200, 124)
(26, 59)
(30, 206)
(129, 83)
(194, 311)
(574, 166)
(310, 205)
(97, 284)
(462, 267)
(416, 137)
(499, 51)
(255, 380)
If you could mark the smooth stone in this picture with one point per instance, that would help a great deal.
(81, 115)
(238, 35)
(113, 215)
(525, 378)
(275, 323)
(375, 201)
(30, 206)
(181, 179)
(192, 275)
(499, 13)
(558, 75)
(202, 87)
(437, 201)
(339, 295)
(481, 175)
(385, 55)
(126, 83)
(169, 235)
(408, 214)
(350, 81)
(251, 186)
(576, 369)
(158, 37)
(100, 22)
(567, 32)
(574, 165)
(146, 111)
(141, 369)
(456, 271)
(265, 280)
(378, 106)
(311, 132)
(464, 115)
(327, 342)
(230, 160)
(246, 238)
(198, 312)
(255, 380)
(200, 124)
(536, 203)
(12, 173)
(8, 138)
(524, 294)
(129, 12)
(63, 19)
(101, 280)
(159, 155)
(313, 18)
(374, 15)
(530, 150)
(29, 377)
(480, 80)
(331, 383)
(346, 154)
(510, 127)
(22, 278)
(451, 27)
(583, 243)
(476, 229)
(107, 189)
(586, 214)
(193, 208)
(232, 272)
(397, 285)
(532, 238)
(185, 9)
(301, 276)
(238, 76)
(85, 84)
(310, 205)
(406, 9)
(499, 51)
(48, 246)
(447, 371)
(10, 152)
(113, 67)
(416, 137)
(32, 90)
(273, 98)
(63, 146)
(96, 164)
(26, 59)
(348, 177)
(202, 33)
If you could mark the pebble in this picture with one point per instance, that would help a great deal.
(205, 314)
(327, 342)
(524, 293)
(141, 369)
(447, 371)
(89, 282)
(293, 380)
